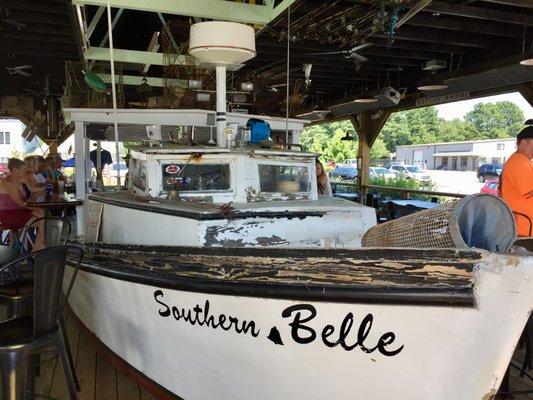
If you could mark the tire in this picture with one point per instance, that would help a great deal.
(481, 178)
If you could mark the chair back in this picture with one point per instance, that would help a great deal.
(48, 272)
(57, 232)
(521, 215)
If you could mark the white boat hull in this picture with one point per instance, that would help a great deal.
(438, 352)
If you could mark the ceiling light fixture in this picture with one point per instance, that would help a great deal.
(527, 62)
(366, 100)
(432, 84)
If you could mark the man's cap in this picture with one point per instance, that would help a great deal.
(526, 133)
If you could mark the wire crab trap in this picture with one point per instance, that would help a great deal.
(481, 221)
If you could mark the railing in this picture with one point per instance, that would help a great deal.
(404, 193)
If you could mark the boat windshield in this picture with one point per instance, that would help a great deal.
(193, 177)
(283, 178)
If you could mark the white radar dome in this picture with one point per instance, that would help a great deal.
(222, 43)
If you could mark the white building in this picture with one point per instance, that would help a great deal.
(11, 141)
(457, 156)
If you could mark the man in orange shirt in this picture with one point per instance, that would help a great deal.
(517, 182)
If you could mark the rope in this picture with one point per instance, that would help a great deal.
(287, 82)
(113, 89)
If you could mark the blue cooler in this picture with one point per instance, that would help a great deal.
(259, 130)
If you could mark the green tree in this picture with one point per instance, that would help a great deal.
(379, 150)
(496, 120)
(417, 126)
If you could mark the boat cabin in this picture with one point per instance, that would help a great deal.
(219, 176)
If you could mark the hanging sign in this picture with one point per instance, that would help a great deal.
(93, 219)
(448, 98)
(172, 169)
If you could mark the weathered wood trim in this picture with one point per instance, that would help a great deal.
(392, 276)
(205, 216)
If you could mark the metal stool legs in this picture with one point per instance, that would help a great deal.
(16, 368)
(14, 374)
(19, 307)
(66, 359)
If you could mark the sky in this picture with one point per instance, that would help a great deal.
(459, 109)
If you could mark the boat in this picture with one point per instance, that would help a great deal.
(241, 323)
(221, 273)
(230, 198)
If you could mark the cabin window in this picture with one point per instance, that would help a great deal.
(284, 178)
(196, 177)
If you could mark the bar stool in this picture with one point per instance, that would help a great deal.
(23, 338)
(17, 294)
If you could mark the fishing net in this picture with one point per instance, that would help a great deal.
(481, 221)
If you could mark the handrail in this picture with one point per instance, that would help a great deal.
(417, 191)
(405, 191)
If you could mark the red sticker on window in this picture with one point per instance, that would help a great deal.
(172, 169)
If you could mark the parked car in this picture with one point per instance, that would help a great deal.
(487, 171)
(344, 171)
(411, 172)
(490, 187)
(381, 172)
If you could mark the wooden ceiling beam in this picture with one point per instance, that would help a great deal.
(518, 3)
(335, 61)
(43, 40)
(463, 25)
(305, 48)
(30, 17)
(422, 46)
(437, 36)
(484, 13)
(36, 6)
(33, 52)
(40, 29)
(15, 45)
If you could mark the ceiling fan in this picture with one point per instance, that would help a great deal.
(20, 70)
(348, 54)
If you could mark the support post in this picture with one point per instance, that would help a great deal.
(368, 125)
(221, 105)
(52, 130)
(79, 148)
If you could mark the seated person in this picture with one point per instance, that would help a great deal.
(322, 180)
(41, 166)
(52, 172)
(29, 180)
(14, 214)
